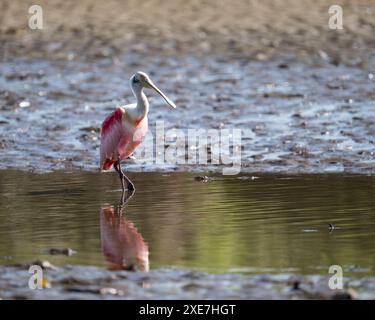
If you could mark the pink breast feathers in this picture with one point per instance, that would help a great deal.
(119, 139)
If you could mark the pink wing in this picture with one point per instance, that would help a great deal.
(111, 133)
(119, 141)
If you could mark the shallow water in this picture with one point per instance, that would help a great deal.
(262, 224)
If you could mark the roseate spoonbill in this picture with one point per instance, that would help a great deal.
(124, 129)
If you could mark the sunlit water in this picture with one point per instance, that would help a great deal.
(261, 224)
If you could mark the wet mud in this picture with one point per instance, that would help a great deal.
(302, 94)
(82, 282)
(300, 119)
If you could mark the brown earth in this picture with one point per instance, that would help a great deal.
(243, 28)
(83, 282)
(302, 94)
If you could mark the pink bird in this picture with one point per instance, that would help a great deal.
(125, 128)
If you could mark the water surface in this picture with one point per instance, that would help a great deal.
(263, 224)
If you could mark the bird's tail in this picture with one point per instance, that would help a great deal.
(107, 164)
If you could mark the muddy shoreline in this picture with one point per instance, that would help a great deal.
(294, 119)
(301, 94)
(85, 282)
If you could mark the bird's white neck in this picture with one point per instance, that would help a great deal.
(141, 110)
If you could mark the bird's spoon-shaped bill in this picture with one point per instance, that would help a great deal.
(169, 101)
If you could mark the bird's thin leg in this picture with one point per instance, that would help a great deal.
(121, 176)
(130, 184)
(124, 201)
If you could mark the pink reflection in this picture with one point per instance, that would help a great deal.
(122, 244)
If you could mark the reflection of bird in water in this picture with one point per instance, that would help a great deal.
(122, 244)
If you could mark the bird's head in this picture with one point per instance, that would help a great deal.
(141, 80)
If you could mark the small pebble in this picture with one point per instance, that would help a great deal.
(202, 178)
(24, 104)
(63, 251)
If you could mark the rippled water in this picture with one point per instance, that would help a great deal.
(267, 223)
